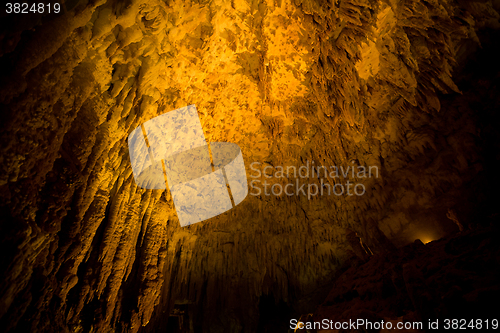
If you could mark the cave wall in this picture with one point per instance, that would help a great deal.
(346, 82)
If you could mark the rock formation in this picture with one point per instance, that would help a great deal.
(408, 87)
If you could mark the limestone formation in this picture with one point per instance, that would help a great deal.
(407, 87)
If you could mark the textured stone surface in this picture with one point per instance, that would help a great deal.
(449, 278)
(335, 82)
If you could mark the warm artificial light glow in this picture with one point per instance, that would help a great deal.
(426, 237)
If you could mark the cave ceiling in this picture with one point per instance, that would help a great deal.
(334, 83)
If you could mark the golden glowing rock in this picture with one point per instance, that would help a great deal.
(348, 82)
